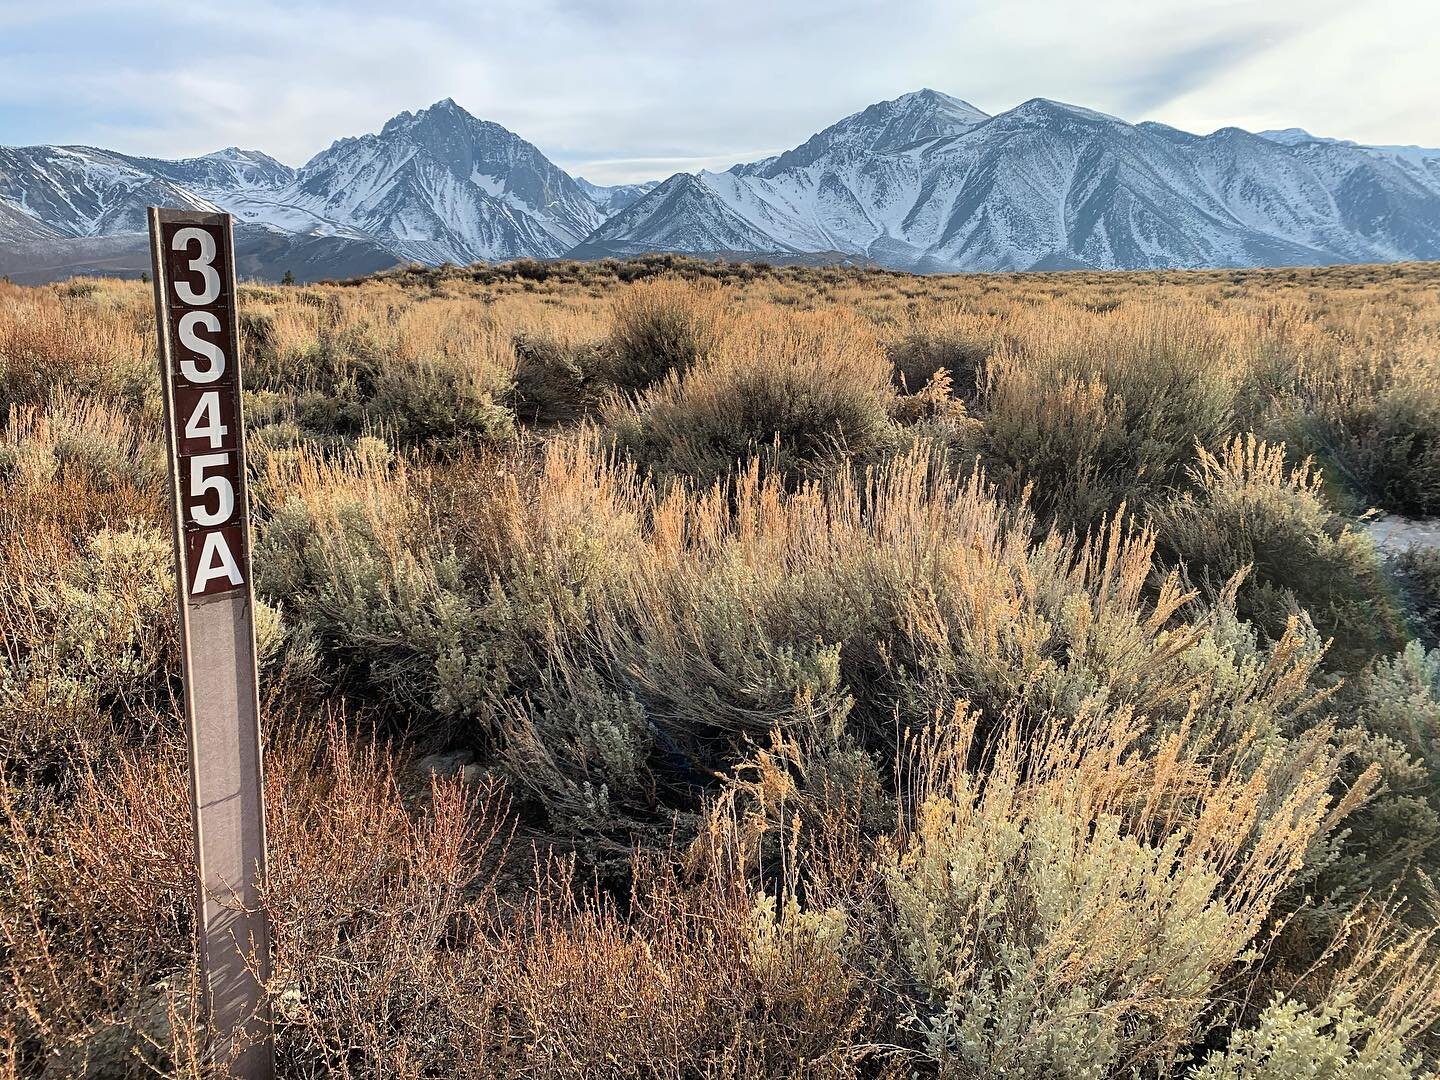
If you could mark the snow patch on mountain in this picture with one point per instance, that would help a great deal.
(611, 199)
(437, 185)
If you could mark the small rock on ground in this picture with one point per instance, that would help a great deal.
(461, 761)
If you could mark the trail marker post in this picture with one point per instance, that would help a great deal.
(194, 275)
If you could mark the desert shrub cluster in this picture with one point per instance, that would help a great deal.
(682, 669)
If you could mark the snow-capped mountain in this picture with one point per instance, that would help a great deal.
(928, 182)
(1293, 136)
(82, 191)
(884, 126)
(79, 209)
(433, 186)
(924, 182)
(615, 197)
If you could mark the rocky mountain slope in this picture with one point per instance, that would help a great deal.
(434, 186)
(616, 197)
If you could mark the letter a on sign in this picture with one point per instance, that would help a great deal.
(193, 258)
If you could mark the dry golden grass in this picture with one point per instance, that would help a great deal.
(859, 675)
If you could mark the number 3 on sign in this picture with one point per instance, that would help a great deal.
(203, 264)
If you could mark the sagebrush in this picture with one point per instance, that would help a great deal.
(683, 669)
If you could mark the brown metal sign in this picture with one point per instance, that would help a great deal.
(193, 258)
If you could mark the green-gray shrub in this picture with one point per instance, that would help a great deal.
(1392, 710)
(555, 380)
(660, 326)
(436, 403)
(1094, 417)
(1333, 1042)
(405, 625)
(797, 391)
(1249, 512)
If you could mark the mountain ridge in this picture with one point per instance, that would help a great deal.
(923, 182)
(1047, 183)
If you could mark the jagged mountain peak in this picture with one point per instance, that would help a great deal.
(1165, 131)
(445, 106)
(249, 157)
(440, 184)
(1237, 134)
(610, 199)
(443, 116)
(444, 112)
(468, 145)
(1299, 137)
(915, 117)
(945, 112)
(1043, 110)
(878, 128)
(1291, 136)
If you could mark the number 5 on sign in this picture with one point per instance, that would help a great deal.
(193, 257)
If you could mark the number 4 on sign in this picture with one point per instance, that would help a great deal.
(204, 422)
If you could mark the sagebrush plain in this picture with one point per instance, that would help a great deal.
(679, 669)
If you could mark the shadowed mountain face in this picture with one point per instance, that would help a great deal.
(924, 182)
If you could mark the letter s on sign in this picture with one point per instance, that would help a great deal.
(203, 264)
(195, 343)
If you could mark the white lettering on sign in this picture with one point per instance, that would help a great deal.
(192, 341)
(202, 485)
(205, 408)
(203, 264)
(204, 422)
(216, 561)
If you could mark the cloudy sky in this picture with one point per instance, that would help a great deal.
(630, 89)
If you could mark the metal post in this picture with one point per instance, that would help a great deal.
(195, 308)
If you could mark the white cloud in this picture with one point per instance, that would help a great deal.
(632, 89)
(1370, 72)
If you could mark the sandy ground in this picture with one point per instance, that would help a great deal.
(1394, 534)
